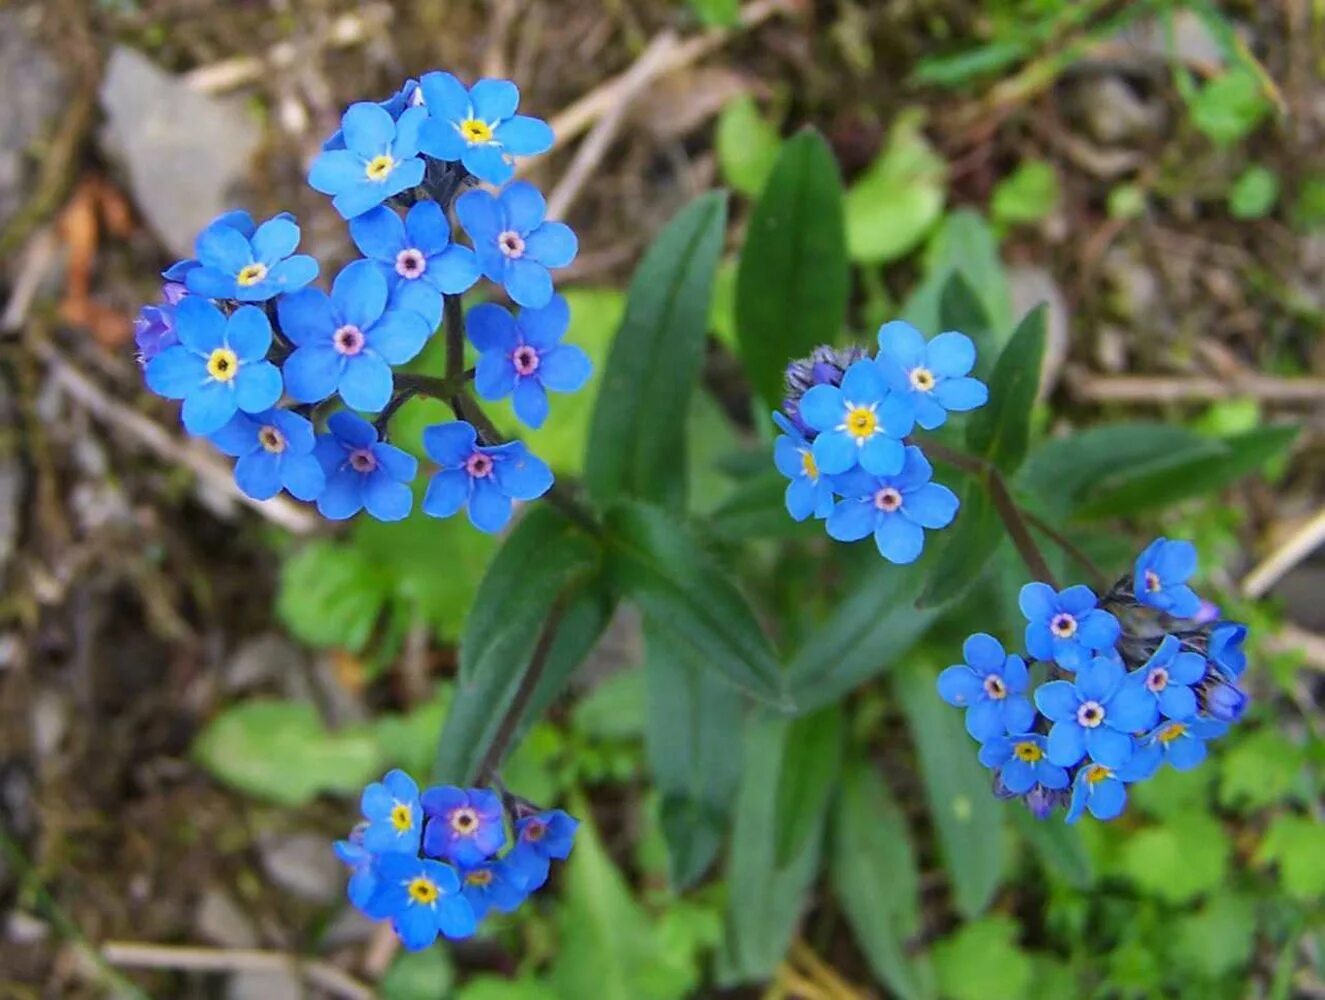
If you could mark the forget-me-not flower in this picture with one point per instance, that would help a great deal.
(249, 267)
(484, 480)
(478, 126)
(465, 825)
(274, 451)
(809, 492)
(422, 899)
(1102, 789)
(154, 326)
(362, 472)
(493, 885)
(1225, 649)
(896, 509)
(395, 818)
(363, 882)
(1066, 626)
(859, 422)
(380, 159)
(991, 686)
(407, 96)
(1022, 762)
(540, 839)
(514, 244)
(1095, 714)
(1169, 675)
(1161, 575)
(934, 376)
(1182, 742)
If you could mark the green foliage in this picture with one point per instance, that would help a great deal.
(747, 146)
(717, 13)
(1254, 193)
(1027, 195)
(970, 544)
(419, 975)
(1259, 770)
(982, 962)
(1000, 430)
(1293, 843)
(894, 205)
(1178, 860)
(963, 245)
(1229, 107)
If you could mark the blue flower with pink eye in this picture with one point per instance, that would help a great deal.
(1169, 675)
(248, 267)
(421, 898)
(362, 472)
(478, 126)
(1094, 715)
(539, 840)
(523, 356)
(380, 159)
(465, 825)
(275, 452)
(1022, 762)
(896, 509)
(514, 244)
(483, 480)
(991, 685)
(933, 376)
(808, 492)
(219, 367)
(1102, 789)
(859, 422)
(1161, 575)
(1066, 626)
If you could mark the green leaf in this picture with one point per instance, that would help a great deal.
(1000, 430)
(809, 779)
(541, 558)
(964, 244)
(961, 309)
(717, 13)
(758, 509)
(747, 145)
(1259, 770)
(897, 201)
(693, 737)
(961, 67)
(613, 709)
(967, 549)
(1229, 107)
(1218, 939)
(1254, 193)
(637, 439)
(968, 818)
(280, 750)
(1179, 860)
(982, 962)
(1029, 194)
(1058, 845)
(410, 741)
(875, 878)
(419, 975)
(1293, 843)
(657, 560)
(793, 282)
(489, 987)
(331, 595)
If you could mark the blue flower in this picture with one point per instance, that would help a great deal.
(422, 899)
(274, 451)
(465, 825)
(1065, 627)
(1169, 675)
(154, 327)
(218, 367)
(896, 508)
(859, 421)
(825, 366)
(1225, 702)
(235, 219)
(1103, 789)
(395, 819)
(493, 885)
(348, 341)
(416, 256)
(380, 159)
(523, 356)
(1182, 743)
(1042, 801)
(362, 472)
(249, 267)
(515, 247)
(540, 839)
(1094, 714)
(478, 126)
(1160, 579)
(1225, 649)
(484, 480)
(933, 375)
(808, 492)
(363, 880)
(407, 96)
(991, 685)
(1022, 763)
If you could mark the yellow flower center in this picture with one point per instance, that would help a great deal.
(422, 890)
(1097, 773)
(922, 379)
(464, 821)
(379, 167)
(1028, 752)
(475, 131)
(480, 877)
(861, 421)
(223, 365)
(1172, 731)
(808, 464)
(401, 817)
(250, 274)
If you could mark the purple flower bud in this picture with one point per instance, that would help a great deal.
(1207, 613)
(1042, 801)
(1225, 702)
(154, 328)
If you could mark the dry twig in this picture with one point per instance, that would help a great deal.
(1297, 547)
(1158, 389)
(324, 975)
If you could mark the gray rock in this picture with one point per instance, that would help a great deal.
(184, 152)
(264, 986)
(35, 90)
(304, 865)
(1029, 286)
(262, 660)
(221, 921)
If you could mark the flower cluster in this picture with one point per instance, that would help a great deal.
(845, 423)
(439, 862)
(1147, 675)
(260, 357)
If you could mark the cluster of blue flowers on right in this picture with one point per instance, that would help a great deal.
(845, 423)
(1146, 676)
(260, 357)
(439, 862)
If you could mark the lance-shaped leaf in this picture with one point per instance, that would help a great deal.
(1000, 430)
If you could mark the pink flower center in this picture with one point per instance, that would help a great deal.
(348, 340)
(363, 460)
(410, 263)
(1064, 626)
(995, 688)
(534, 830)
(1153, 583)
(511, 244)
(888, 500)
(525, 360)
(1090, 714)
(1157, 680)
(271, 439)
(478, 465)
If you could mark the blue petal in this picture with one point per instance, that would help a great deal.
(208, 407)
(553, 244)
(450, 444)
(1108, 746)
(527, 282)
(823, 408)
(493, 100)
(447, 493)
(441, 140)
(335, 171)
(1039, 641)
(1058, 700)
(1099, 679)
(408, 128)
(489, 508)
(959, 686)
(950, 355)
(343, 496)
(398, 463)
(524, 477)
(900, 541)
(1018, 715)
(903, 343)
(882, 456)
(851, 520)
(1131, 709)
(495, 376)
(863, 383)
(306, 315)
(985, 653)
(426, 229)
(1177, 702)
(312, 372)
(416, 925)
(522, 207)
(544, 328)
(564, 368)
(366, 383)
(445, 97)
(454, 270)
(1108, 799)
(801, 498)
(176, 372)
(1037, 601)
(530, 402)
(984, 721)
(1018, 776)
(225, 249)
(525, 136)
(210, 283)
(1066, 744)
(258, 474)
(398, 336)
(1186, 753)
(249, 333)
(455, 917)
(1077, 600)
(480, 216)
(787, 457)
(931, 506)
(352, 429)
(199, 324)
(368, 129)
(1097, 629)
(492, 328)
(1175, 561)
(961, 394)
(239, 436)
(930, 414)
(386, 499)
(359, 294)
(418, 297)
(257, 387)
(274, 240)
(834, 452)
(379, 233)
(302, 476)
(487, 162)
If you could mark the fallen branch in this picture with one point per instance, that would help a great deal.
(1196, 388)
(324, 975)
(1297, 547)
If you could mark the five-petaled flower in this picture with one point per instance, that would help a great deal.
(991, 686)
(478, 126)
(218, 367)
(465, 825)
(493, 885)
(249, 267)
(347, 342)
(1022, 762)
(482, 479)
(274, 450)
(1065, 626)
(1161, 575)
(809, 492)
(380, 158)
(1182, 742)
(363, 881)
(858, 422)
(895, 508)
(540, 839)
(395, 818)
(523, 356)
(1169, 675)
(421, 898)
(407, 96)
(362, 472)
(1094, 714)
(515, 246)
(1102, 789)
(934, 376)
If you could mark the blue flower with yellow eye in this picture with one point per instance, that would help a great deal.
(219, 367)
(1094, 715)
(1161, 575)
(493, 885)
(808, 492)
(1022, 762)
(896, 509)
(421, 898)
(933, 376)
(539, 840)
(380, 159)
(1169, 675)
(1225, 649)
(362, 472)
(395, 817)
(249, 267)
(465, 825)
(514, 243)
(859, 422)
(407, 96)
(483, 480)
(991, 685)
(1066, 626)
(1182, 742)
(1102, 790)
(237, 219)
(274, 451)
(478, 126)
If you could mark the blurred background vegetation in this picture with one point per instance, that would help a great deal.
(192, 691)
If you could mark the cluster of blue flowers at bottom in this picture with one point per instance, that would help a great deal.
(1146, 676)
(844, 444)
(439, 862)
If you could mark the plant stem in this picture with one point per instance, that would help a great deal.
(1101, 580)
(453, 317)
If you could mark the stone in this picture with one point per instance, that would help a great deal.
(304, 865)
(220, 921)
(35, 89)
